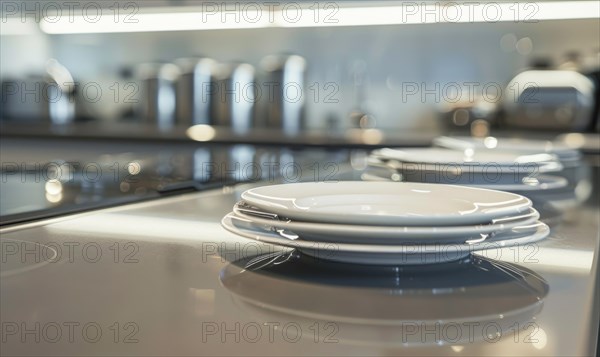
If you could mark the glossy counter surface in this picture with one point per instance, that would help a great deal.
(163, 278)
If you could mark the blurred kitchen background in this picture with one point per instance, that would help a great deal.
(401, 76)
(122, 77)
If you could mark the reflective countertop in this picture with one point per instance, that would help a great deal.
(46, 178)
(162, 277)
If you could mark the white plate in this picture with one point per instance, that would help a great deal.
(358, 234)
(386, 254)
(522, 146)
(456, 174)
(386, 203)
(475, 161)
(541, 183)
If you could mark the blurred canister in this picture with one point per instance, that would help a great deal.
(60, 93)
(49, 97)
(25, 99)
(194, 90)
(157, 104)
(283, 92)
(234, 97)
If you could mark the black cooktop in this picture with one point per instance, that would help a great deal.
(46, 178)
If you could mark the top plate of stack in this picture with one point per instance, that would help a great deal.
(386, 203)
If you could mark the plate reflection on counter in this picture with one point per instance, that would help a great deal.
(471, 300)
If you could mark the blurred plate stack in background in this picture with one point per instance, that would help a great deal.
(550, 174)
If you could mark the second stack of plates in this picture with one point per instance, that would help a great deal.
(468, 167)
(543, 176)
(385, 223)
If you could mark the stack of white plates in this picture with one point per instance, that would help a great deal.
(472, 167)
(559, 188)
(506, 171)
(535, 169)
(385, 223)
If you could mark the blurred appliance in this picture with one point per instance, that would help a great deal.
(561, 100)
(49, 97)
(158, 94)
(195, 88)
(474, 117)
(284, 91)
(234, 96)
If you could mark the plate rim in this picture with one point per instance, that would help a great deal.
(390, 232)
(541, 233)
